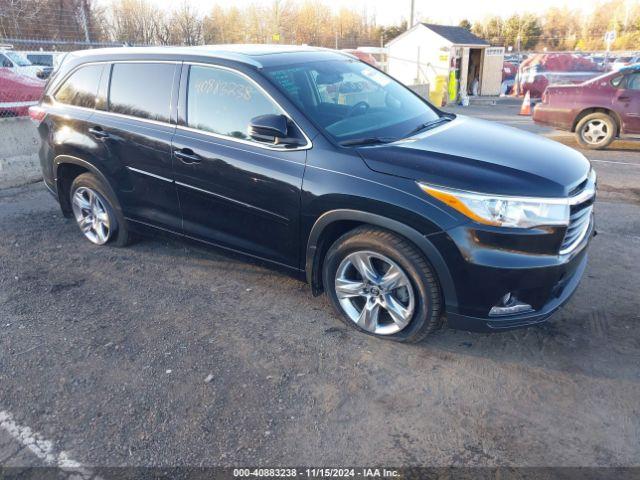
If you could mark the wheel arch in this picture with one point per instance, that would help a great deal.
(65, 169)
(337, 222)
(588, 111)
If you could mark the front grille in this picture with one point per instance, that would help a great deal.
(579, 222)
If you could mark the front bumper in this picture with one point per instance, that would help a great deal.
(562, 292)
(483, 276)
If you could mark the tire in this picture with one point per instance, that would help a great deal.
(596, 131)
(87, 187)
(415, 289)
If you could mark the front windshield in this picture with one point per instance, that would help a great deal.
(348, 99)
(18, 59)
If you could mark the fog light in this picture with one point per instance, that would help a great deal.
(510, 305)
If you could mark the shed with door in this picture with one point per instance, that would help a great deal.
(452, 60)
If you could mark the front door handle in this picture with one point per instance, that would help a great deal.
(624, 99)
(98, 132)
(187, 156)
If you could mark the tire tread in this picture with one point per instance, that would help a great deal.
(412, 255)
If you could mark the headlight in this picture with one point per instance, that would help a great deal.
(503, 211)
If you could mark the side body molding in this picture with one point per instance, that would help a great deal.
(313, 258)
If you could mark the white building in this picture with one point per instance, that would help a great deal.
(448, 58)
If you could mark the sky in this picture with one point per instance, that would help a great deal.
(389, 12)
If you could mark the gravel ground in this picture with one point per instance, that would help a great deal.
(167, 354)
(107, 352)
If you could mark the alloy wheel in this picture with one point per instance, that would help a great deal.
(374, 292)
(595, 131)
(91, 215)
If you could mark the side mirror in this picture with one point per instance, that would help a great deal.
(273, 129)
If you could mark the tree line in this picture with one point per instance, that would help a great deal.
(313, 22)
(563, 29)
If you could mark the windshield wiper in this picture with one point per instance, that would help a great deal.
(367, 141)
(430, 124)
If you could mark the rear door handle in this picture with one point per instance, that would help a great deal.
(187, 156)
(98, 132)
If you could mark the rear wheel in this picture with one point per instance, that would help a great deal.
(596, 131)
(382, 285)
(95, 213)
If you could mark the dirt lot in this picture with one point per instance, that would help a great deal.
(167, 354)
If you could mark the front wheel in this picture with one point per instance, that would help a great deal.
(382, 285)
(596, 131)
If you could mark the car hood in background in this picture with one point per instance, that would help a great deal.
(481, 156)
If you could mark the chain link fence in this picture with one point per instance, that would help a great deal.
(26, 65)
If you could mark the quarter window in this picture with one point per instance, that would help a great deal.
(81, 88)
(617, 81)
(224, 102)
(5, 62)
(142, 90)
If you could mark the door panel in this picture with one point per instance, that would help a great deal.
(136, 131)
(141, 152)
(234, 191)
(627, 102)
(242, 197)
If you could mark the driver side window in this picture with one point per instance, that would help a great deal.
(224, 102)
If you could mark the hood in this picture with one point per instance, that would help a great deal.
(481, 156)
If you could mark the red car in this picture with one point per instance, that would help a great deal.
(541, 70)
(18, 93)
(365, 57)
(598, 111)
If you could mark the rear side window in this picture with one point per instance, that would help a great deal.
(224, 102)
(81, 88)
(43, 60)
(142, 90)
(633, 82)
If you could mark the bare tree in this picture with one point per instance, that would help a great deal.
(187, 25)
(15, 14)
(134, 21)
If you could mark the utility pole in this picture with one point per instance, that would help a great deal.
(413, 13)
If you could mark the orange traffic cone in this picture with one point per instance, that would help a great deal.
(526, 105)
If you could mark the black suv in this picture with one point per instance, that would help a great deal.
(312, 160)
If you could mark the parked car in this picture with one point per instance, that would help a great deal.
(47, 61)
(15, 62)
(18, 93)
(401, 213)
(621, 62)
(598, 111)
(364, 56)
(541, 70)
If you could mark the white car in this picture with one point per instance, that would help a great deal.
(47, 61)
(18, 63)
